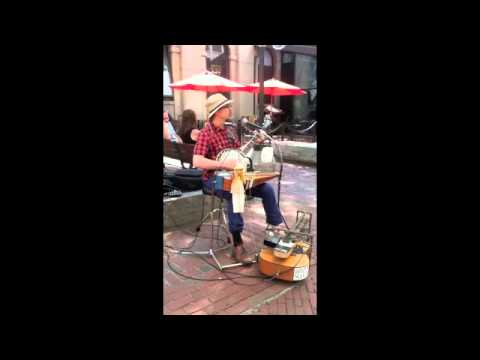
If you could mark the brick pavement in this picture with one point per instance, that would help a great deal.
(247, 296)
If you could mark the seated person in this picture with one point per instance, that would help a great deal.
(189, 129)
(214, 138)
(168, 129)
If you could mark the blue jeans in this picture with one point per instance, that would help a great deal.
(235, 220)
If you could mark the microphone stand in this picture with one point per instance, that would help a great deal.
(279, 176)
(281, 163)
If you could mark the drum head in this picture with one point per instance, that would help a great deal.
(229, 154)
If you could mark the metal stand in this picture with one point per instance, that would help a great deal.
(278, 147)
(221, 223)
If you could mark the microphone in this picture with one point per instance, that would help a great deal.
(244, 121)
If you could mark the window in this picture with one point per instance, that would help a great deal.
(217, 61)
(300, 70)
(167, 75)
(287, 58)
(267, 66)
(305, 78)
(214, 51)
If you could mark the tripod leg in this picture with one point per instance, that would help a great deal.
(214, 258)
(224, 225)
(219, 217)
(203, 212)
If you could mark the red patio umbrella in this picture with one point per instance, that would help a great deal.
(275, 87)
(209, 82)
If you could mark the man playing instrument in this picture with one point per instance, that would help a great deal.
(214, 138)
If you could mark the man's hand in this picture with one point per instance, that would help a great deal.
(194, 134)
(199, 161)
(229, 164)
(260, 137)
(165, 116)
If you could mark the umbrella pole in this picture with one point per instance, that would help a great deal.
(271, 107)
(261, 92)
(281, 169)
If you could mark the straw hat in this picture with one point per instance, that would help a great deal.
(215, 103)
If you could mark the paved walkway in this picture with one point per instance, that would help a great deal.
(251, 295)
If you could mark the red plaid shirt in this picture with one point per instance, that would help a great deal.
(211, 141)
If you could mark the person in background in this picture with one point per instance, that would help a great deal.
(188, 131)
(168, 129)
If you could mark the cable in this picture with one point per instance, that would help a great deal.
(202, 279)
(186, 276)
(195, 235)
(212, 265)
(228, 277)
(240, 275)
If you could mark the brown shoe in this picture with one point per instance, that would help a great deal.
(277, 228)
(239, 254)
